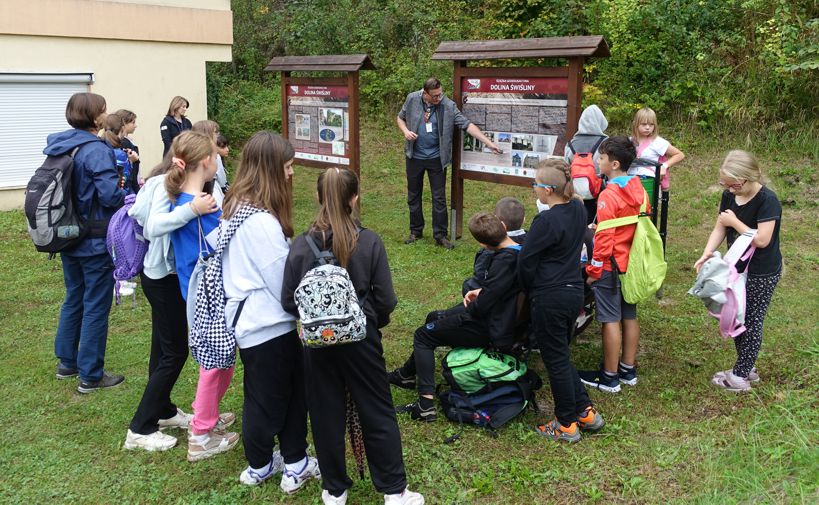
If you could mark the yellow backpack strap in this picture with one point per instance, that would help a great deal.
(623, 221)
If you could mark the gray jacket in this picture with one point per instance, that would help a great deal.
(449, 116)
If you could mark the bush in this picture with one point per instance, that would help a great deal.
(245, 107)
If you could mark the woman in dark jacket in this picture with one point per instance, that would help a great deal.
(175, 122)
(82, 332)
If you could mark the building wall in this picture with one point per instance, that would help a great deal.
(163, 55)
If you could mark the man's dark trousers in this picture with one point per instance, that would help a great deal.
(415, 190)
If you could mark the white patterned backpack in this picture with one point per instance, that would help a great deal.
(211, 339)
(329, 309)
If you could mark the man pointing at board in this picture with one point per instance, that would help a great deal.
(428, 120)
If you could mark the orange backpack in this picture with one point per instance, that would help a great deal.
(587, 184)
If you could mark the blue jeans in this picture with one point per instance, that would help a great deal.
(83, 329)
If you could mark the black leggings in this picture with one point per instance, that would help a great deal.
(275, 400)
(443, 328)
(358, 368)
(758, 294)
(169, 351)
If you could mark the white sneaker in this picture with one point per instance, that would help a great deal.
(292, 481)
(215, 443)
(752, 377)
(251, 477)
(156, 441)
(226, 419)
(731, 382)
(406, 497)
(180, 420)
(329, 499)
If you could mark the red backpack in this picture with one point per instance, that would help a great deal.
(587, 184)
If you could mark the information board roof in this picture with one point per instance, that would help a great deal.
(548, 47)
(336, 62)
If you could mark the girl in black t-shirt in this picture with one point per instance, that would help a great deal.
(747, 204)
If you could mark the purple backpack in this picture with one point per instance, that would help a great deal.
(126, 244)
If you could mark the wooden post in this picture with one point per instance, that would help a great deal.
(457, 182)
(285, 78)
(575, 95)
(352, 112)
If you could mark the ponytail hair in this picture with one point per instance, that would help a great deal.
(189, 149)
(113, 127)
(260, 179)
(208, 127)
(336, 189)
(126, 115)
(556, 172)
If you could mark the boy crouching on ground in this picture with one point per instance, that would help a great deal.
(486, 317)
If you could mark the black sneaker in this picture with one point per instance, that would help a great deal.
(419, 414)
(107, 381)
(443, 242)
(627, 376)
(396, 379)
(600, 380)
(64, 372)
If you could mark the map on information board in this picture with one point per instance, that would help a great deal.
(526, 117)
(317, 123)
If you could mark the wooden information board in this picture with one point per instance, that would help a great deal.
(530, 112)
(320, 115)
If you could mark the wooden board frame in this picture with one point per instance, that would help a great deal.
(573, 72)
(351, 82)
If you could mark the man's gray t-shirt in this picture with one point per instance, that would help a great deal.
(427, 144)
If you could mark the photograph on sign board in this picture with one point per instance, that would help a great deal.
(346, 126)
(302, 127)
(331, 125)
(525, 116)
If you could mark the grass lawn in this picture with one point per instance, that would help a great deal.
(672, 438)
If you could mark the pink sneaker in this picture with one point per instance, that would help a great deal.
(731, 382)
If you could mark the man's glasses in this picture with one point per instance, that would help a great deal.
(544, 186)
(736, 187)
(437, 97)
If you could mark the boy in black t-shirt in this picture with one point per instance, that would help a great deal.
(486, 317)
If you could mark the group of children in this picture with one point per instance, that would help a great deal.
(262, 264)
(265, 260)
(543, 264)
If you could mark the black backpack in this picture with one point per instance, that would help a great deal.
(492, 407)
(53, 220)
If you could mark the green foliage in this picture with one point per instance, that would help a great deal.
(700, 62)
(245, 107)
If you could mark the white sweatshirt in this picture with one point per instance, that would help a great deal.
(152, 211)
(252, 270)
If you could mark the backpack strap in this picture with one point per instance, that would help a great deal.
(597, 144)
(323, 257)
(626, 220)
(741, 249)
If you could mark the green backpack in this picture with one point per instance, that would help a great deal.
(646, 264)
(471, 370)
